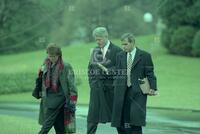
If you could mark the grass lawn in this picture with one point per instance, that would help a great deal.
(20, 125)
(178, 76)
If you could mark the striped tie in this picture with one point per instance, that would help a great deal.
(129, 65)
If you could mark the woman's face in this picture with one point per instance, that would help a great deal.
(53, 58)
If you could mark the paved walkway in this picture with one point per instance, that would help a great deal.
(158, 121)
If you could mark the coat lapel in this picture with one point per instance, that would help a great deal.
(107, 56)
(137, 57)
(124, 60)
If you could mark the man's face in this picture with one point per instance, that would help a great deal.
(53, 58)
(127, 46)
(101, 41)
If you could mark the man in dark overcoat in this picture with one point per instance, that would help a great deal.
(101, 71)
(129, 106)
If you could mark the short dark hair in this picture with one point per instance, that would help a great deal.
(128, 36)
(53, 49)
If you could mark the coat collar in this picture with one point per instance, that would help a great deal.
(108, 51)
(136, 59)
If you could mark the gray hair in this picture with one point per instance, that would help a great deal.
(128, 36)
(100, 32)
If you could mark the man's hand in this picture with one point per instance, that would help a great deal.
(103, 68)
(153, 92)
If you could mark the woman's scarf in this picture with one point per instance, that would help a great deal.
(52, 83)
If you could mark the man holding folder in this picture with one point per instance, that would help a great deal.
(132, 87)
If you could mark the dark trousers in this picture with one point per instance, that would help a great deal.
(131, 130)
(127, 128)
(91, 128)
(121, 130)
(54, 118)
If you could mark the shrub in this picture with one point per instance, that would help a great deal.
(15, 83)
(20, 82)
(166, 37)
(196, 45)
(182, 39)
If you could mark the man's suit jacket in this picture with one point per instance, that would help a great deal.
(142, 67)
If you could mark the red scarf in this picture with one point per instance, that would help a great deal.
(53, 82)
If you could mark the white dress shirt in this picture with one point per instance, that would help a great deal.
(105, 48)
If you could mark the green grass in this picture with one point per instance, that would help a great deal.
(178, 76)
(18, 98)
(20, 125)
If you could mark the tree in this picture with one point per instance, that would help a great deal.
(31, 24)
(181, 42)
(196, 44)
(25, 24)
(182, 22)
(118, 17)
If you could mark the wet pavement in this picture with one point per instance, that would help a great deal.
(159, 121)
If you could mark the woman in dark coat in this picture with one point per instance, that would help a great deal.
(58, 93)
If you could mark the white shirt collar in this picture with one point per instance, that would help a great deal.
(133, 52)
(105, 48)
(107, 45)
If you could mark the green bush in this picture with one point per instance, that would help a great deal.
(182, 17)
(20, 82)
(182, 39)
(15, 83)
(166, 37)
(196, 45)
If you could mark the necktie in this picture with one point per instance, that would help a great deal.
(101, 55)
(129, 65)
